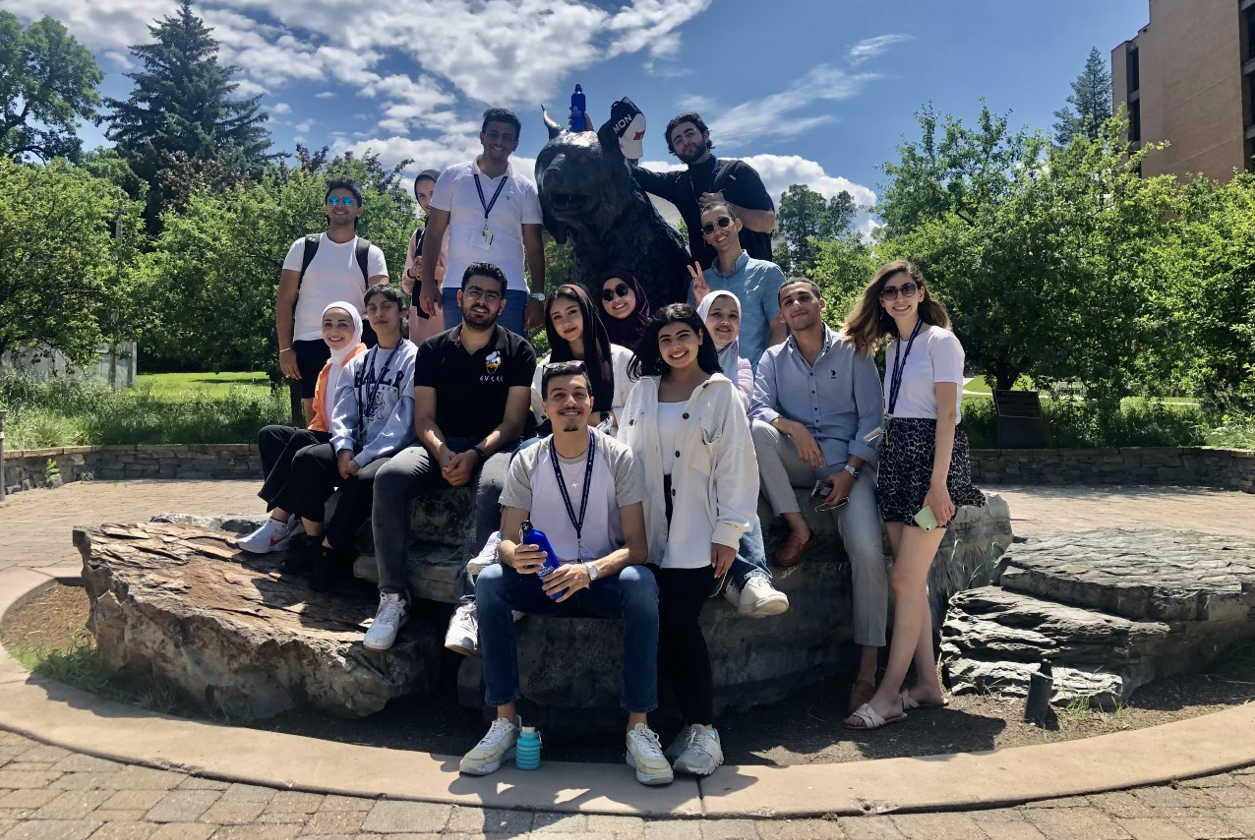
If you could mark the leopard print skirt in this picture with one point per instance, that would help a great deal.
(906, 469)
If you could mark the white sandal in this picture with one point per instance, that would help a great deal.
(872, 720)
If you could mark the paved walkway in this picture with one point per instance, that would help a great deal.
(50, 794)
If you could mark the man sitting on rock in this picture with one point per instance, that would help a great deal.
(816, 403)
(585, 492)
(472, 392)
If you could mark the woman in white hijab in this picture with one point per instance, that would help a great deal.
(720, 311)
(342, 332)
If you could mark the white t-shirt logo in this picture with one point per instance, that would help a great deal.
(493, 361)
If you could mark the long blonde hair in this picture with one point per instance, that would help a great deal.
(870, 324)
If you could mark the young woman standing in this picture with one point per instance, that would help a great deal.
(278, 445)
(577, 335)
(685, 423)
(925, 469)
(624, 308)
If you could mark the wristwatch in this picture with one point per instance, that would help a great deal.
(592, 572)
(851, 470)
(540, 296)
(482, 455)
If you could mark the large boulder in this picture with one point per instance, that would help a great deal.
(1112, 610)
(180, 602)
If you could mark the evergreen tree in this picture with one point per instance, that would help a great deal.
(806, 219)
(183, 102)
(1089, 106)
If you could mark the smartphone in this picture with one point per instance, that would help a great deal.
(822, 490)
(926, 519)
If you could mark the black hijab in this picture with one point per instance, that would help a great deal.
(626, 332)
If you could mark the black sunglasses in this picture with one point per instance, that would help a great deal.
(722, 221)
(907, 290)
(620, 290)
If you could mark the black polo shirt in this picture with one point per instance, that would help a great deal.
(739, 183)
(471, 388)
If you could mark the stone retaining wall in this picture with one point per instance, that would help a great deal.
(1225, 469)
(29, 468)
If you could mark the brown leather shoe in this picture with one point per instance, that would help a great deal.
(791, 553)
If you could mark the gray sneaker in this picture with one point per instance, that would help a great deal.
(703, 753)
(644, 755)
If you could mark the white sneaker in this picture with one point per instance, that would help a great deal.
(494, 748)
(702, 753)
(273, 535)
(486, 557)
(644, 755)
(391, 617)
(759, 599)
(463, 633)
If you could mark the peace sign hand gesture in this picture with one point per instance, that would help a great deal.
(700, 287)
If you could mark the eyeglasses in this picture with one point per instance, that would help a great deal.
(346, 200)
(620, 290)
(722, 221)
(906, 290)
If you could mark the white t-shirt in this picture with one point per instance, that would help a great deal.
(518, 205)
(333, 275)
(936, 357)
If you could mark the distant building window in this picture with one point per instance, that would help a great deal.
(1248, 18)
(1135, 121)
(1134, 71)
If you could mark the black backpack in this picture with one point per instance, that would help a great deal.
(311, 250)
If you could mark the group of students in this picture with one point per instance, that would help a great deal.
(639, 446)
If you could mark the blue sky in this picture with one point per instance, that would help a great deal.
(812, 91)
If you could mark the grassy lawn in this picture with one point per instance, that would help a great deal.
(207, 384)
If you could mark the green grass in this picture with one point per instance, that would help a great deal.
(82, 667)
(202, 384)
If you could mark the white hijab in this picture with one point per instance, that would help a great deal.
(339, 357)
(730, 353)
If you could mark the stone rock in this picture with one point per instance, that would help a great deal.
(1112, 610)
(180, 602)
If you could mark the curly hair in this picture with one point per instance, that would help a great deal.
(687, 116)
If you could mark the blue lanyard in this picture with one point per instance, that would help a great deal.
(371, 388)
(577, 523)
(899, 366)
(488, 205)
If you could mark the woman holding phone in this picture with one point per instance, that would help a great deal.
(685, 424)
(925, 469)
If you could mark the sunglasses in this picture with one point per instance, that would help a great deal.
(620, 290)
(906, 290)
(575, 363)
(347, 201)
(722, 221)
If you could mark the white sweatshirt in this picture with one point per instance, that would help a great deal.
(714, 484)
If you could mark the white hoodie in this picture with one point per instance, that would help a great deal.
(714, 483)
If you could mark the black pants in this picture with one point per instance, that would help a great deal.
(682, 655)
(315, 476)
(278, 446)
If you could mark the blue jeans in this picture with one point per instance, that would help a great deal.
(751, 557)
(631, 595)
(511, 317)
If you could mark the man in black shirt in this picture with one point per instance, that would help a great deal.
(472, 392)
(709, 179)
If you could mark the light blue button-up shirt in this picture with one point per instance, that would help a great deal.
(837, 399)
(757, 283)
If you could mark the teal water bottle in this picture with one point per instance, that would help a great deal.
(527, 749)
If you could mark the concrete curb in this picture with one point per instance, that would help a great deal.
(57, 714)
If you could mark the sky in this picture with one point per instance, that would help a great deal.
(808, 91)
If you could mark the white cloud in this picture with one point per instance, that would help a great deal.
(246, 88)
(120, 58)
(870, 48)
(791, 111)
(326, 94)
(280, 108)
(780, 171)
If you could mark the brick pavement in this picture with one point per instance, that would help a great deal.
(51, 794)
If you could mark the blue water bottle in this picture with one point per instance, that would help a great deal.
(527, 749)
(578, 106)
(531, 536)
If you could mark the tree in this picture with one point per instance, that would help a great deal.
(1089, 106)
(807, 218)
(183, 103)
(209, 284)
(70, 241)
(48, 82)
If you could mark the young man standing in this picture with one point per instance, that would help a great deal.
(319, 270)
(709, 179)
(816, 404)
(472, 392)
(492, 214)
(585, 492)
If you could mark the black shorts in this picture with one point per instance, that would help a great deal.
(312, 356)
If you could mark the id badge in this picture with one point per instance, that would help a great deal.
(482, 239)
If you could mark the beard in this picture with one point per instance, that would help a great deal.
(692, 158)
(478, 320)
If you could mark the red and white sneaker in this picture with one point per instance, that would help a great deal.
(273, 535)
